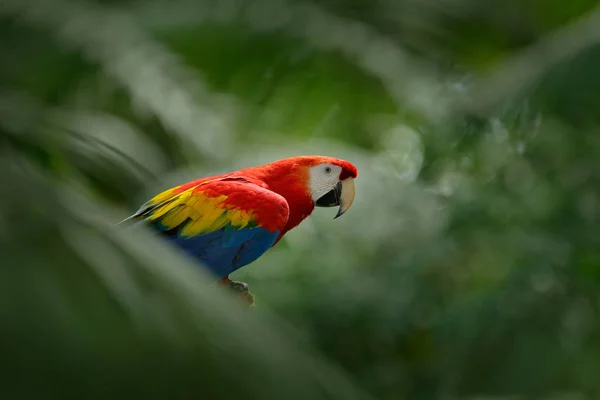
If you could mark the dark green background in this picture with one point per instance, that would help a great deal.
(468, 267)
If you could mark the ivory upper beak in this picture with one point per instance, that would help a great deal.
(347, 196)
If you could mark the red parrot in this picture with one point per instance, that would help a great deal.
(228, 221)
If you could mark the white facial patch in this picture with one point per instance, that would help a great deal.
(323, 179)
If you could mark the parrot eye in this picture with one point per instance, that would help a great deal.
(327, 170)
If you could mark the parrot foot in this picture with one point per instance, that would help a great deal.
(241, 289)
(239, 286)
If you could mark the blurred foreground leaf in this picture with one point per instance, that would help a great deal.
(468, 268)
(90, 311)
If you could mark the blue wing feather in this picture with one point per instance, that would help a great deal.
(226, 250)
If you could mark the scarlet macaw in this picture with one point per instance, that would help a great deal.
(228, 221)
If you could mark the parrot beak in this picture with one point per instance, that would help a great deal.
(341, 195)
(348, 190)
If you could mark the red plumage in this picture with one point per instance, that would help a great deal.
(287, 177)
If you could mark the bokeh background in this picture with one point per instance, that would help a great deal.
(468, 267)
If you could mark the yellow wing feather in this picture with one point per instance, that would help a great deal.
(206, 213)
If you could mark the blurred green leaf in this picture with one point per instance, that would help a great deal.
(466, 269)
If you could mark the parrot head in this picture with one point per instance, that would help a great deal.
(307, 182)
(331, 184)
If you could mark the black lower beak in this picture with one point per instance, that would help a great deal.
(331, 198)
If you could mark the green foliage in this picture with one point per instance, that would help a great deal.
(467, 268)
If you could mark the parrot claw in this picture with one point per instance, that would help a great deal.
(239, 286)
(241, 289)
